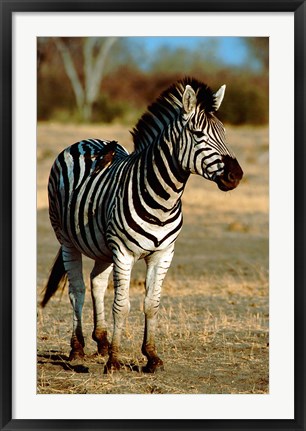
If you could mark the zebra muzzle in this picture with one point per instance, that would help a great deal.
(225, 186)
(231, 176)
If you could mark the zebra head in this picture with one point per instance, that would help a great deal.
(203, 148)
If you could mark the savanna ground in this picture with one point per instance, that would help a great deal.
(214, 315)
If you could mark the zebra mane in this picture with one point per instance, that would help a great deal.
(166, 108)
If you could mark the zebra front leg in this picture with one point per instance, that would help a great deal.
(157, 267)
(121, 307)
(99, 281)
(73, 265)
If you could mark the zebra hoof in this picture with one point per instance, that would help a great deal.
(103, 348)
(76, 355)
(100, 337)
(111, 366)
(153, 365)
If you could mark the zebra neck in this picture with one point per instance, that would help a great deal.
(161, 174)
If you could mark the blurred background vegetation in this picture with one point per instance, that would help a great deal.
(104, 80)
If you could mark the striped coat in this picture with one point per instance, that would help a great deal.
(116, 207)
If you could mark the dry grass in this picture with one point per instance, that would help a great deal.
(214, 316)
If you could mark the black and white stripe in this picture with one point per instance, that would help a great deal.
(116, 207)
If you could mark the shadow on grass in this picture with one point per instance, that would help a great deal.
(61, 360)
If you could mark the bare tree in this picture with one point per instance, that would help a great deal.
(95, 52)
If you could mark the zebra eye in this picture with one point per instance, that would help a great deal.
(198, 133)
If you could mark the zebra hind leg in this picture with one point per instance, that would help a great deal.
(73, 265)
(157, 266)
(99, 281)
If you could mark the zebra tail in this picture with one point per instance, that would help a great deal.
(57, 278)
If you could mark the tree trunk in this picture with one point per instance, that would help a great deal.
(87, 112)
(94, 68)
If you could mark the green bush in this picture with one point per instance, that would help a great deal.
(107, 111)
(247, 101)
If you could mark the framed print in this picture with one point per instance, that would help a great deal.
(227, 348)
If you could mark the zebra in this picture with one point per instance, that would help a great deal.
(116, 208)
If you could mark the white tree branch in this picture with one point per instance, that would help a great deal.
(94, 68)
(94, 79)
(71, 71)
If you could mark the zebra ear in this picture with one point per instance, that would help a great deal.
(189, 99)
(218, 97)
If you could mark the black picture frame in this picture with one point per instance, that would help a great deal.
(8, 8)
